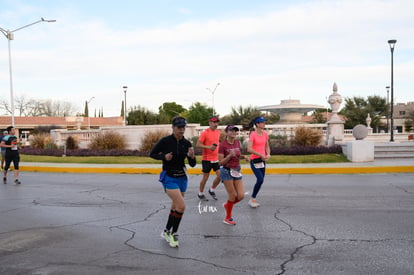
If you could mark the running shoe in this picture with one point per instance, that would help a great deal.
(229, 221)
(253, 203)
(174, 240)
(212, 193)
(16, 181)
(166, 235)
(202, 197)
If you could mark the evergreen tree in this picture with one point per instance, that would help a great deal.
(356, 110)
(86, 113)
(199, 113)
(122, 109)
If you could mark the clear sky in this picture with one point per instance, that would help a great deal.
(260, 52)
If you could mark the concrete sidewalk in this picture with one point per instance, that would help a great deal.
(377, 166)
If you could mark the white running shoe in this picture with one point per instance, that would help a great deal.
(253, 203)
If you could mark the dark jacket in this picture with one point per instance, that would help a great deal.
(179, 149)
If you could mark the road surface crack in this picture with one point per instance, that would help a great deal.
(297, 249)
(133, 233)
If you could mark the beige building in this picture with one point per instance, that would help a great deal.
(403, 110)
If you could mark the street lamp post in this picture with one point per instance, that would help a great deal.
(125, 105)
(392, 45)
(388, 108)
(89, 117)
(212, 93)
(10, 36)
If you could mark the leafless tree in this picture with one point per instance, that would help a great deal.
(38, 107)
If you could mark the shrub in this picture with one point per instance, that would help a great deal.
(107, 141)
(296, 150)
(194, 140)
(45, 129)
(41, 141)
(307, 137)
(80, 152)
(50, 146)
(41, 152)
(72, 143)
(278, 141)
(149, 140)
(222, 136)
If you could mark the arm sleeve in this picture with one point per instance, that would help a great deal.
(191, 161)
(156, 152)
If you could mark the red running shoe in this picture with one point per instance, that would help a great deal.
(229, 221)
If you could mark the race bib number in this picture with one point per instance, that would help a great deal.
(235, 173)
(259, 165)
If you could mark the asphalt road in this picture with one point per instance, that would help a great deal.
(111, 223)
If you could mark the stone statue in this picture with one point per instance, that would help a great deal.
(335, 125)
(335, 100)
(368, 120)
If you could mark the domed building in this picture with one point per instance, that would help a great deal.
(290, 110)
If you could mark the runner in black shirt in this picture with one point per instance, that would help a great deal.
(10, 142)
(173, 150)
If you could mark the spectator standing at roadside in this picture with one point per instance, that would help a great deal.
(208, 141)
(173, 150)
(3, 150)
(260, 152)
(230, 171)
(10, 142)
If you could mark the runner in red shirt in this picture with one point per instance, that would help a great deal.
(208, 141)
(230, 172)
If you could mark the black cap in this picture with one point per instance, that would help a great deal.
(232, 128)
(179, 122)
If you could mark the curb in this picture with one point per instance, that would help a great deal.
(246, 171)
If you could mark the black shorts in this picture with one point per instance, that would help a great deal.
(208, 165)
(12, 157)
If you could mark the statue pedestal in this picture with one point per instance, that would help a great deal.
(335, 132)
(360, 151)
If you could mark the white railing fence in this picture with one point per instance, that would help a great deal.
(134, 134)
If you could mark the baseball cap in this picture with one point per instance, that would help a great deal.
(232, 128)
(214, 119)
(5, 132)
(179, 122)
(259, 119)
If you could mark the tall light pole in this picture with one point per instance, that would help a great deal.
(125, 105)
(388, 107)
(89, 117)
(392, 45)
(212, 93)
(10, 36)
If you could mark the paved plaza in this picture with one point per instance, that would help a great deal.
(65, 223)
